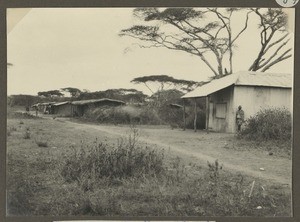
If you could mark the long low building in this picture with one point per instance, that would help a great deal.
(78, 108)
(251, 90)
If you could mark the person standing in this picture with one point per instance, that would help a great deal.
(239, 117)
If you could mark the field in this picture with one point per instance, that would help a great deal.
(175, 173)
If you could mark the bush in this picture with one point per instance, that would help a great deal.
(42, 144)
(124, 115)
(27, 135)
(272, 123)
(100, 160)
(150, 115)
(201, 120)
(13, 128)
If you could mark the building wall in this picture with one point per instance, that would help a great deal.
(255, 98)
(63, 110)
(251, 98)
(77, 110)
(221, 111)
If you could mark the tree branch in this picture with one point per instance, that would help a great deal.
(276, 42)
(274, 54)
(275, 62)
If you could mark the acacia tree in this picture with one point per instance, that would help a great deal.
(50, 93)
(208, 33)
(186, 29)
(165, 88)
(273, 38)
(226, 18)
(165, 82)
(74, 92)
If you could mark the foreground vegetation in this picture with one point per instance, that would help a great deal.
(59, 171)
(269, 124)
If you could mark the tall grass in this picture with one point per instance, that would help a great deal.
(99, 160)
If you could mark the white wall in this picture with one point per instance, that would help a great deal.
(255, 98)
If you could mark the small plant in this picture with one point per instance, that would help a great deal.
(27, 135)
(42, 144)
(13, 129)
(214, 169)
(21, 122)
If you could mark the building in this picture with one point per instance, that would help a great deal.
(62, 109)
(78, 108)
(43, 107)
(81, 106)
(252, 90)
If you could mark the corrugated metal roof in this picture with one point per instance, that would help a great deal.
(61, 103)
(84, 102)
(243, 79)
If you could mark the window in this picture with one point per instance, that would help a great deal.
(221, 109)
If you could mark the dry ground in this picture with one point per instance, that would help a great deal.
(235, 154)
(62, 134)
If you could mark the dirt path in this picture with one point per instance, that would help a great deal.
(201, 147)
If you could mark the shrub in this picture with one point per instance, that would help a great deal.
(150, 115)
(172, 116)
(201, 120)
(27, 135)
(113, 115)
(13, 129)
(100, 160)
(272, 123)
(42, 144)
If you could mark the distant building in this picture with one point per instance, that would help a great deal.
(62, 108)
(78, 108)
(43, 107)
(252, 90)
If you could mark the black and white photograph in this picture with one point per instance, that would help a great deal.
(150, 112)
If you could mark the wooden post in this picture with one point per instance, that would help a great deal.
(207, 114)
(195, 120)
(184, 120)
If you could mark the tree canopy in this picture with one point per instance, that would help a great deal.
(74, 92)
(209, 34)
(273, 37)
(127, 95)
(165, 82)
(50, 93)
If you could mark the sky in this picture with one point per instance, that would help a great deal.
(54, 48)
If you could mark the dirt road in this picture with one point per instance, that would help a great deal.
(201, 147)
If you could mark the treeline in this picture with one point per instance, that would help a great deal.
(126, 95)
(163, 106)
(163, 89)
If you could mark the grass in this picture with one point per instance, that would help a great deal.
(27, 135)
(42, 143)
(270, 147)
(88, 176)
